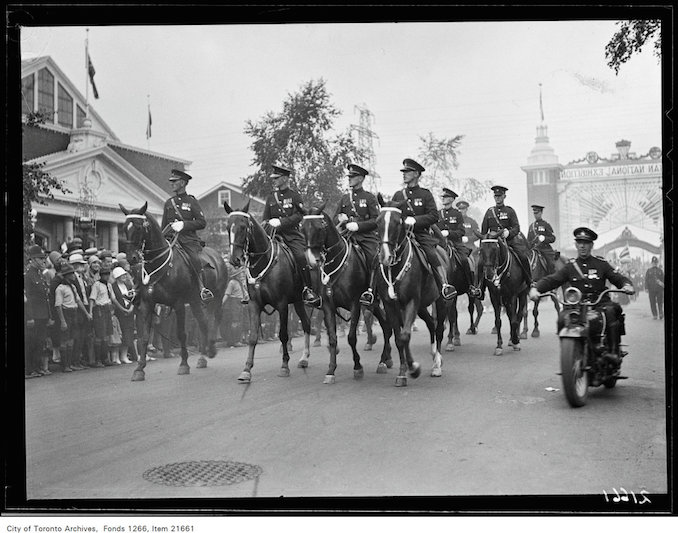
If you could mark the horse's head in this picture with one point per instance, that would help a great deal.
(137, 226)
(390, 228)
(489, 254)
(314, 226)
(239, 231)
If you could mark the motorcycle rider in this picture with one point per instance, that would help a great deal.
(589, 274)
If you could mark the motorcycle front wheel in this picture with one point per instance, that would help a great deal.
(575, 378)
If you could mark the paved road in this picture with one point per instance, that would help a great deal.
(488, 426)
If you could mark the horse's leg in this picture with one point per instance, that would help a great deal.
(144, 318)
(369, 320)
(254, 315)
(386, 361)
(524, 319)
(496, 304)
(200, 317)
(283, 335)
(407, 363)
(514, 319)
(180, 310)
(457, 335)
(449, 316)
(521, 304)
(358, 372)
(214, 310)
(434, 333)
(306, 327)
(479, 312)
(471, 309)
(318, 326)
(535, 314)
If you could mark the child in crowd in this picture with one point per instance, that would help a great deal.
(101, 309)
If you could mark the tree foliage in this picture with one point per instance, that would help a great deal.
(630, 39)
(38, 185)
(301, 138)
(440, 157)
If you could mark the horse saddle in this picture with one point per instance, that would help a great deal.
(421, 254)
(454, 255)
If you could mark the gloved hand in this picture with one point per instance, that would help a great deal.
(534, 294)
(464, 239)
(445, 233)
(274, 222)
(541, 238)
(352, 226)
(177, 225)
(505, 233)
(342, 217)
(410, 221)
(628, 289)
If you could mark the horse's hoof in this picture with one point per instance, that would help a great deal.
(436, 372)
(302, 364)
(389, 363)
(470, 331)
(494, 331)
(138, 375)
(284, 373)
(368, 348)
(381, 368)
(212, 352)
(244, 377)
(523, 335)
(183, 370)
(457, 342)
(498, 351)
(449, 347)
(535, 334)
(202, 363)
(316, 343)
(329, 379)
(416, 370)
(516, 347)
(401, 381)
(358, 374)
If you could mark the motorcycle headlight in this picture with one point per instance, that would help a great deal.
(572, 296)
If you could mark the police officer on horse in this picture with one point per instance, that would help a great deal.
(452, 227)
(183, 214)
(283, 212)
(540, 236)
(502, 219)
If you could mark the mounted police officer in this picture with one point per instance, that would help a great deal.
(183, 214)
(503, 220)
(540, 236)
(589, 274)
(420, 214)
(451, 224)
(283, 212)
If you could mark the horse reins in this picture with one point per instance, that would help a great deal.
(245, 248)
(396, 259)
(502, 269)
(326, 276)
(145, 276)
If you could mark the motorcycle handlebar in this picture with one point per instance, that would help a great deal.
(561, 301)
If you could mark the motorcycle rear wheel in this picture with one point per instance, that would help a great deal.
(575, 378)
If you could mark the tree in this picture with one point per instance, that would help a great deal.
(37, 184)
(440, 157)
(301, 138)
(630, 39)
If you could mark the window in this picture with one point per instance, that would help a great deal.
(65, 114)
(224, 196)
(80, 118)
(27, 94)
(540, 177)
(45, 91)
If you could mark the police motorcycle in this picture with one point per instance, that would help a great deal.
(584, 359)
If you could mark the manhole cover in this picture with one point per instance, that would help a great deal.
(202, 473)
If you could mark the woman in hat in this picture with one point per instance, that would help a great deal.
(124, 309)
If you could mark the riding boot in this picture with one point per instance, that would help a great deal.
(472, 289)
(308, 294)
(367, 298)
(446, 290)
(205, 293)
(527, 271)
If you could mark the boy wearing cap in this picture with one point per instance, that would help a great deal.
(81, 341)
(37, 314)
(183, 214)
(502, 219)
(589, 274)
(654, 283)
(420, 214)
(66, 304)
(540, 236)
(283, 212)
(101, 309)
(451, 225)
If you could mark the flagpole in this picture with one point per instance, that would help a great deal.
(87, 74)
(148, 137)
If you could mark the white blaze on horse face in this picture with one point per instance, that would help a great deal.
(129, 226)
(384, 240)
(310, 258)
(232, 238)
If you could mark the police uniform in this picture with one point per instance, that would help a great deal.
(654, 284)
(287, 206)
(589, 276)
(361, 207)
(541, 228)
(471, 229)
(37, 309)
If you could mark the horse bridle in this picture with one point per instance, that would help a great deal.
(397, 246)
(395, 258)
(246, 251)
(145, 276)
(325, 251)
(499, 271)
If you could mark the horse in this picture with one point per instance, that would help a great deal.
(538, 268)
(163, 275)
(406, 288)
(457, 278)
(344, 275)
(506, 284)
(273, 279)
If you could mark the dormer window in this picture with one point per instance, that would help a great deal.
(27, 94)
(45, 91)
(224, 195)
(65, 114)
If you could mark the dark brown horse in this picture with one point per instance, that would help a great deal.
(406, 287)
(506, 284)
(341, 269)
(163, 275)
(538, 268)
(273, 280)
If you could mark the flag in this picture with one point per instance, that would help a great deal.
(541, 106)
(92, 72)
(148, 126)
(625, 255)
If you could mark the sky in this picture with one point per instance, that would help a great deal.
(476, 79)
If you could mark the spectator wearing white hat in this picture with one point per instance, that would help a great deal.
(122, 299)
(82, 338)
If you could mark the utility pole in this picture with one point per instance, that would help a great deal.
(365, 136)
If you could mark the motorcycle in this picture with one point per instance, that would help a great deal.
(584, 359)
